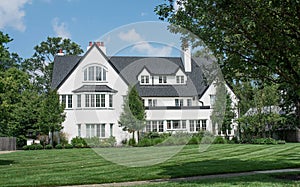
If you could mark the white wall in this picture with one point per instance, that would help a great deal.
(75, 116)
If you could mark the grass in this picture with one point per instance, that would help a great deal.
(85, 166)
(258, 180)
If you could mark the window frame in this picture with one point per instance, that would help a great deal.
(95, 73)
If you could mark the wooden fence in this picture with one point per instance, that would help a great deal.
(8, 143)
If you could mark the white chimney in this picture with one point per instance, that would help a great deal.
(101, 46)
(186, 59)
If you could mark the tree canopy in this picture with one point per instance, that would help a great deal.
(254, 39)
(40, 65)
(27, 104)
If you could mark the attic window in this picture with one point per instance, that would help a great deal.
(145, 79)
(162, 79)
(94, 73)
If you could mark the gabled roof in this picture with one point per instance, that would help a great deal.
(128, 67)
(63, 66)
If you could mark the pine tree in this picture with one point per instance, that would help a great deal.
(133, 117)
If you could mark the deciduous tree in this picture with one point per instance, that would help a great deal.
(253, 39)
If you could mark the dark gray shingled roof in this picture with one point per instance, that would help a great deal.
(95, 88)
(63, 66)
(129, 67)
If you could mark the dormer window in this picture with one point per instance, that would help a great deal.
(180, 79)
(94, 73)
(162, 79)
(145, 79)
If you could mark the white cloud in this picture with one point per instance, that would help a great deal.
(12, 14)
(130, 36)
(146, 47)
(142, 46)
(60, 28)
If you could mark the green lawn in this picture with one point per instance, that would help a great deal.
(258, 180)
(85, 166)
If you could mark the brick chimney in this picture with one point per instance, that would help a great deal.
(60, 53)
(101, 46)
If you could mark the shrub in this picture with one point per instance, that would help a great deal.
(234, 140)
(124, 142)
(145, 142)
(59, 146)
(32, 147)
(78, 140)
(79, 145)
(49, 147)
(38, 147)
(219, 140)
(157, 141)
(91, 142)
(269, 141)
(111, 141)
(194, 140)
(68, 146)
(21, 141)
(281, 142)
(63, 138)
(25, 147)
(207, 140)
(131, 142)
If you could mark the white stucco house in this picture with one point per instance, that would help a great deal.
(93, 86)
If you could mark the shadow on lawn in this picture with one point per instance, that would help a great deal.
(208, 167)
(6, 162)
(290, 179)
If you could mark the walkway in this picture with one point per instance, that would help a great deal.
(226, 175)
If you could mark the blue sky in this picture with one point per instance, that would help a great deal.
(29, 22)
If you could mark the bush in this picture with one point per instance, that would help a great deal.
(25, 147)
(234, 140)
(79, 145)
(145, 142)
(58, 146)
(78, 141)
(131, 142)
(49, 147)
(219, 140)
(68, 146)
(63, 138)
(269, 141)
(194, 140)
(32, 147)
(281, 142)
(21, 141)
(38, 147)
(157, 141)
(111, 141)
(124, 142)
(207, 140)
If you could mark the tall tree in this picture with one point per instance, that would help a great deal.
(133, 117)
(7, 60)
(264, 117)
(40, 65)
(51, 114)
(228, 116)
(254, 39)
